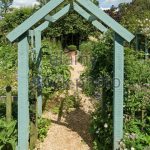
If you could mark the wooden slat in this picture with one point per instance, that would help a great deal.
(118, 90)
(38, 44)
(58, 15)
(39, 58)
(23, 91)
(42, 27)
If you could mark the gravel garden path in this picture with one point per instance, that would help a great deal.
(72, 131)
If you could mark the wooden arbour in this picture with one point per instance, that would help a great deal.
(102, 22)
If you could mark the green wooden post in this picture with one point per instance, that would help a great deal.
(8, 104)
(33, 122)
(37, 33)
(23, 97)
(118, 90)
(38, 58)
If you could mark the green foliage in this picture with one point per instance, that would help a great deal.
(66, 104)
(99, 65)
(43, 126)
(55, 69)
(11, 21)
(135, 137)
(2, 110)
(136, 19)
(136, 104)
(72, 48)
(86, 47)
(85, 52)
(71, 101)
(72, 23)
(5, 4)
(8, 135)
(101, 129)
(8, 65)
(137, 81)
(55, 110)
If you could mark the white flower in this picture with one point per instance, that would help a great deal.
(105, 125)
(132, 148)
(97, 131)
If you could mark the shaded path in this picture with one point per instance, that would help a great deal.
(72, 132)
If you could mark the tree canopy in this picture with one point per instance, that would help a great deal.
(4, 4)
(71, 24)
(136, 16)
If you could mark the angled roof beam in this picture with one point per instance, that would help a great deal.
(100, 14)
(59, 14)
(88, 17)
(27, 24)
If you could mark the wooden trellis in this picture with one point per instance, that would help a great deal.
(93, 14)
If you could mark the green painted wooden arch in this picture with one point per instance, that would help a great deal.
(86, 4)
(102, 22)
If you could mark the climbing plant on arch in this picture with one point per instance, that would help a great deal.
(21, 34)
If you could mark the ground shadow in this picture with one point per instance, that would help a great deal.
(78, 121)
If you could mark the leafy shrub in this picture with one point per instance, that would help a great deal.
(135, 136)
(66, 104)
(136, 104)
(136, 110)
(99, 66)
(85, 52)
(2, 109)
(71, 101)
(8, 135)
(55, 110)
(8, 67)
(72, 48)
(11, 21)
(101, 129)
(43, 126)
(55, 69)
